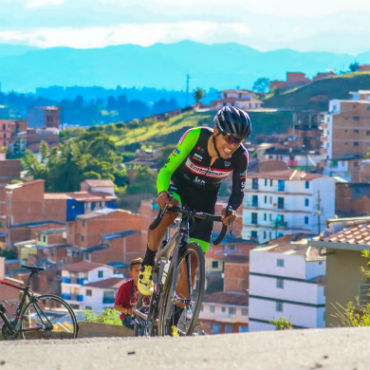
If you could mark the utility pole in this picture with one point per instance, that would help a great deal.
(319, 211)
(187, 89)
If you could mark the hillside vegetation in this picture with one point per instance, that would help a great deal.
(316, 95)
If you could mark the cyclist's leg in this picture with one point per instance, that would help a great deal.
(145, 283)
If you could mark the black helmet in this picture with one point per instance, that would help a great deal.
(233, 121)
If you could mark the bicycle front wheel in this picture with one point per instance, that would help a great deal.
(48, 317)
(179, 309)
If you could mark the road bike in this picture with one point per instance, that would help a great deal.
(38, 316)
(176, 258)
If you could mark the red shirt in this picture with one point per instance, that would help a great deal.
(128, 296)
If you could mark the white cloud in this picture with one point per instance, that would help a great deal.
(40, 3)
(144, 34)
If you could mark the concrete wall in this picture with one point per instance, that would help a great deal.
(343, 276)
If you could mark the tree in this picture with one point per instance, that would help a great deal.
(354, 67)
(198, 95)
(261, 85)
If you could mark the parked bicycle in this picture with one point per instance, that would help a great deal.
(176, 258)
(38, 316)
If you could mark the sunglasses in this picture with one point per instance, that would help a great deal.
(231, 139)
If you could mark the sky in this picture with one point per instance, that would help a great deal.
(317, 25)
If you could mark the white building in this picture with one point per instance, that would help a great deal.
(286, 280)
(243, 99)
(224, 312)
(285, 202)
(89, 285)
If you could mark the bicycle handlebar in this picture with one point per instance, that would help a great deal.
(196, 214)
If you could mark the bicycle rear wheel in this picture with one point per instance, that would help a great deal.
(48, 317)
(191, 267)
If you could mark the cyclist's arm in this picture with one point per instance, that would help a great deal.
(239, 178)
(178, 155)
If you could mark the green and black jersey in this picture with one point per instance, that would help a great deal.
(188, 166)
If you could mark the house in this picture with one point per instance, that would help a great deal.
(74, 278)
(286, 201)
(243, 99)
(286, 279)
(101, 294)
(343, 244)
(236, 274)
(224, 313)
(10, 128)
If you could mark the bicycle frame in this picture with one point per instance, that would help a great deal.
(27, 294)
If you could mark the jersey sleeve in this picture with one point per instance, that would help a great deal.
(178, 155)
(239, 178)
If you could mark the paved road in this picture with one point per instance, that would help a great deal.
(339, 349)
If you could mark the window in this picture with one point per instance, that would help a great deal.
(228, 328)
(83, 223)
(279, 307)
(254, 218)
(89, 292)
(281, 203)
(264, 216)
(211, 308)
(271, 182)
(254, 235)
(255, 201)
(270, 217)
(355, 143)
(356, 131)
(202, 307)
(93, 204)
(100, 273)
(281, 185)
(223, 309)
(265, 182)
(280, 262)
(264, 235)
(270, 199)
(306, 202)
(88, 308)
(265, 199)
(307, 184)
(306, 220)
(244, 311)
(232, 311)
(280, 283)
(254, 183)
(243, 329)
(356, 118)
(214, 264)
(82, 238)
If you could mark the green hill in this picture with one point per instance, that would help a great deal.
(316, 95)
(158, 133)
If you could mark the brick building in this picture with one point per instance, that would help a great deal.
(44, 117)
(9, 128)
(10, 169)
(346, 127)
(352, 199)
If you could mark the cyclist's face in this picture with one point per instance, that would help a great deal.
(134, 272)
(226, 145)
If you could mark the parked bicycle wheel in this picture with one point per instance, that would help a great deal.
(191, 267)
(48, 317)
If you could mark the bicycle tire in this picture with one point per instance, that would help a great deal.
(59, 313)
(166, 307)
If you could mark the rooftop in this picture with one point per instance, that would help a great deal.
(288, 175)
(83, 266)
(110, 283)
(99, 183)
(238, 299)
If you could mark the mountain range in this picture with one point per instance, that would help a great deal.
(222, 66)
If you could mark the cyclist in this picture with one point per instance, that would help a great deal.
(195, 169)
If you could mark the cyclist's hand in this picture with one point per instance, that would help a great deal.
(163, 199)
(227, 220)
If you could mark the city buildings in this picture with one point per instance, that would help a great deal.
(243, 99)
(286, 279)
(287, 201)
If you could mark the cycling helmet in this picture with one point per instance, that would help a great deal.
(233, 121)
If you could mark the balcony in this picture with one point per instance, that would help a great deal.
(73, 280)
